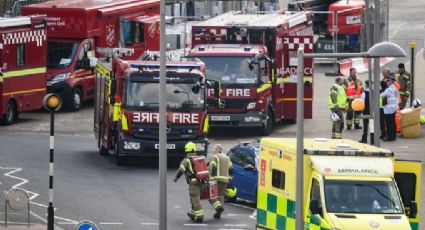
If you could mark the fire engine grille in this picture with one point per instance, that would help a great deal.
(229, 104)
(174, 132)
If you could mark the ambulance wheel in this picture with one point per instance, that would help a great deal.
(11, 114)
(268, 125)
(75, 101)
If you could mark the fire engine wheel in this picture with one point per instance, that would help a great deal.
(118, 159)
(75, 101)
(11, 114)
(268, 124)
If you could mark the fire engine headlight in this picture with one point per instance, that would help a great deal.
(131, 145)
(200, 147)
(251, 105)
(58, 78)
(252, 119)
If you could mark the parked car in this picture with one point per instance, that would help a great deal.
(245, 172)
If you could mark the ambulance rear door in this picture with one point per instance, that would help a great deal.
(407, 175)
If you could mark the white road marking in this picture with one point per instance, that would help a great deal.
(196, 225)
(65, 219)
(65, 223)
(149, 224)
(235, 214)
(177, 206)
(404, 147)
(253, 215)
(32, 195)
(102, 223)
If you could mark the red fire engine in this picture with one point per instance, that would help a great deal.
(23, 66)
(254, 56)
(76, 28)
(127, 105)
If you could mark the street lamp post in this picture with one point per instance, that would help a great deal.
(52, 103)
(383, 49)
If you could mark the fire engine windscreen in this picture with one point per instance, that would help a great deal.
(60, 54)
(363, 197)
(230, 70)
(181, 95)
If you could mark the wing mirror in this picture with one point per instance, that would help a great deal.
(413, 209)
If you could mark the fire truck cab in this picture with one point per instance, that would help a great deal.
(22, 66)
(127, 107)
(254, 57)
(76, 28)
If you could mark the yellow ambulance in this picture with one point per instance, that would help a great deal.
(347, 186)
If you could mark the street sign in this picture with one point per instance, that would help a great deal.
(86, 225)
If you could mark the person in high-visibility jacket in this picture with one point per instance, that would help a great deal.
(403, 78)
(221, 170)
(337, 103)
(353, 90)
(196, 213)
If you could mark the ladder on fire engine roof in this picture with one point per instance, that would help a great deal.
(121, 52)
(12, 22)
(236, 18)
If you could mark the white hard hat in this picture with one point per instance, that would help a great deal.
(334, 117)
(416, 103)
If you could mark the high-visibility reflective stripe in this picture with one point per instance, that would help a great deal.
(182, 168)
(206, 125)
(18, 73)
(290, 80)
(216, 204)
(280, 80)
(294, 99)
(116, 115)
(124, 122)
(24, 91)
(190, 166)
(264, 87)
(104, 72)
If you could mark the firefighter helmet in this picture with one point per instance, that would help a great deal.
(190, 147)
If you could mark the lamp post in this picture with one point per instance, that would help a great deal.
(383, 49)
(52, 103)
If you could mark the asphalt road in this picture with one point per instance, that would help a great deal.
(90, 186)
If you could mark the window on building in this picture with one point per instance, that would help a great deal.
(20, 55)
(278, 179)
(132, 33)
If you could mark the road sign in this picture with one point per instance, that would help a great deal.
(85, 225)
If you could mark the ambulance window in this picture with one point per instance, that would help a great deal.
(315, 195)
(406, 183)
(20, 55)
(278, 179)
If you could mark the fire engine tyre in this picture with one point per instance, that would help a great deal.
(118, 159)
(75, 100)
(269, 123)
(11, 114)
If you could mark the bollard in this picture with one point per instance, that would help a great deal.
(52, 103)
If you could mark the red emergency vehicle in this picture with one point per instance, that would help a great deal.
(254, 56)
(76, 28)
(127, 107)
(23, 66)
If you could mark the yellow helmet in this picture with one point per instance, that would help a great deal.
(190, 147)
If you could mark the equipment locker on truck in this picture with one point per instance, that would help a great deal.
(22, 66)
(76, 28)
(347, 186)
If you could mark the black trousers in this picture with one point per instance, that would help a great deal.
(382, 123)
(365, 129)
(390, 124)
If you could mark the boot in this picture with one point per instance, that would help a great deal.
(357, 127)
(191, 216)
(348, 127)
(199, 220)
(363, 140)
(218, 212)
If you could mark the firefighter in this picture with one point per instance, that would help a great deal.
(353, 90)
(337, 103)
(221, 170)
(196, 213)
(403, 78)
(390, 109)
